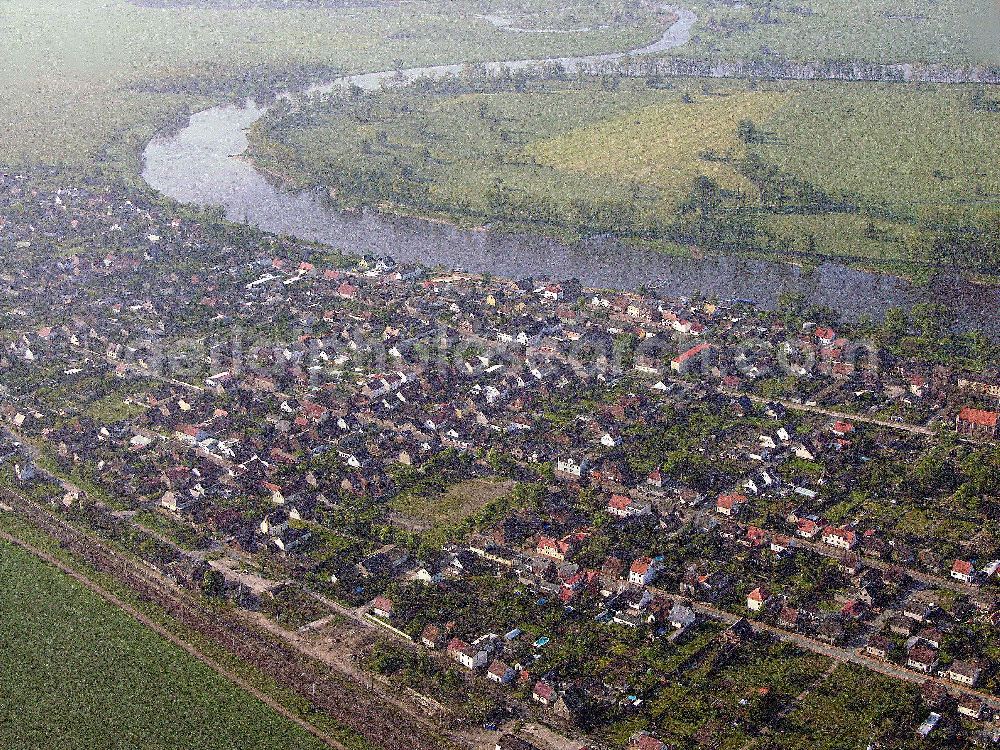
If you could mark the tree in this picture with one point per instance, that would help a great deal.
(747, 131)
(213, 583)
(894, 326)
(933, 320)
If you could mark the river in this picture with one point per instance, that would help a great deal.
(197, 165)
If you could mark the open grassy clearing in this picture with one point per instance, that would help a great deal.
(902, 146)
(852, 708)
(885, 31)
(80, 674)
(76, 99)
(660, 145)
(453, 505)
(92, 100)
(871, 173)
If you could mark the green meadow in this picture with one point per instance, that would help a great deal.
(956, 32)
(92, 100)
(872, 173)
(79, 673)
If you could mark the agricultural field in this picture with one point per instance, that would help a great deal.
(91, 101)
(956, 32)
(81, 674)
(868, 173)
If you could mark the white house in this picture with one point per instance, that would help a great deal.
(644, 571)
(466, 655)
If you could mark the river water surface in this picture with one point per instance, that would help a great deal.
(198, 165)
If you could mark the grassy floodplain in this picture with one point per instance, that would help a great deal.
(957, 32)
(80, 674)
(92, 100)
(871, 173)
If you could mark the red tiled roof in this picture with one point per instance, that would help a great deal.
(962, 566)
(728, 501)
(544, 690)
(641, 565)
(979, 417)
(619, 502)
(694, 351)
(845, 534)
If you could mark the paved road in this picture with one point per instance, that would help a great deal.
(135, 369)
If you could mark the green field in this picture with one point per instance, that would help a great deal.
(78, 673)
(92, 100)
(453, 505)
(870, 173)
(949, 31)
(852, 708)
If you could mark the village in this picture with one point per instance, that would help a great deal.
(558, 517)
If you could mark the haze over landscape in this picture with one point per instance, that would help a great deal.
(500, 374)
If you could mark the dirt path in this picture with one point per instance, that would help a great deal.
(843, 655)
(845, 416)
(167, 635)
(359, 708)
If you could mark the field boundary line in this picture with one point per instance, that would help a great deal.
(163, 632)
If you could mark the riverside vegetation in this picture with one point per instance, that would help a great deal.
(91, 101)
(891, 176)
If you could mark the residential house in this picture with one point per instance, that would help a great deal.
(922, 658)
(500, 672)
(382, 607)
(559, 549)
(879, 646)
(644, 571)
(622, 506)
(570, 469)
(469, 656)
(758, 599)
(973, 707)
(840, 538)
(432, 636)
(963, 672)
(918, 611)
(977, 423)
(730, 505)
(964, 571)
(681, 616)
(684, 362)
(807, 528)
(543, 693)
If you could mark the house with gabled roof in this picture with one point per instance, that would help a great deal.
(964, 571)
(977, 423)
(500, 672)
(730, 504)
(468, 655)
(544, 693)
(839, 537)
